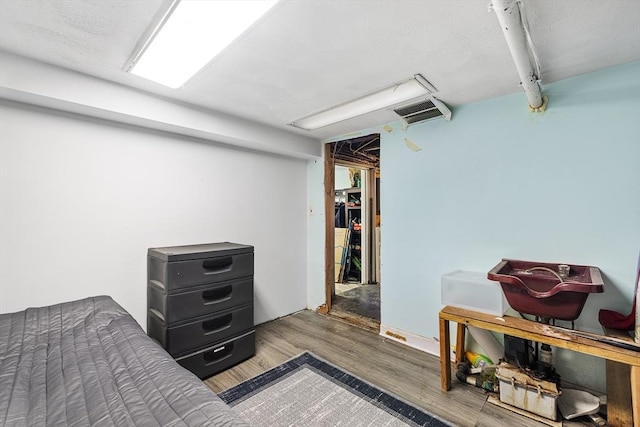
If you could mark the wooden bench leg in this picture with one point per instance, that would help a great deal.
(460, 334)
(619, 412)
(635, 394)
(445, 358)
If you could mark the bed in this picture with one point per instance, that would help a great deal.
(88, 362)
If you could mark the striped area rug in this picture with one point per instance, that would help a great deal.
(307, 391)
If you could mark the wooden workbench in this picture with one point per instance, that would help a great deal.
(529, 330)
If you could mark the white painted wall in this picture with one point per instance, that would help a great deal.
(342, 179)
(316, 234)
(82, 199)
(32, 82)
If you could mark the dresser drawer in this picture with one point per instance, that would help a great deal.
(178, 340)
(199, 301)
(211, 360)
(177, 275)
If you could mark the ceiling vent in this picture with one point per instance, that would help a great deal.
(422, 111)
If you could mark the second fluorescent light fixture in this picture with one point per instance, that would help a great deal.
(413, 88)
(191, 34)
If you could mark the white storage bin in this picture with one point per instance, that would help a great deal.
(473, 291)
(521, 391)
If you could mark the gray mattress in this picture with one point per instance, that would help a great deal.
(88, 362)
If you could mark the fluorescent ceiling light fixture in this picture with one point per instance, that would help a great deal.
(191, 34)
(413, 88)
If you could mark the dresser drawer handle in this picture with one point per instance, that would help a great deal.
(217, 354)
(218, 324)
(217, 265)
(213, 296)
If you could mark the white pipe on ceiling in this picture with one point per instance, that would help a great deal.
(508, 12)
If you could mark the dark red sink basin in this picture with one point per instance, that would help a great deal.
(537, 288)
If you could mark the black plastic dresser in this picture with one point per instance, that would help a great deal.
(200, 304)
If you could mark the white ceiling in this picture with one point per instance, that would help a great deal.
(305, 56)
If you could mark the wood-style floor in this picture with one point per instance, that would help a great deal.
(406, 372)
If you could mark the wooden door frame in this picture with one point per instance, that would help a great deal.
(329, 250)
(329, 227)
(330, 233)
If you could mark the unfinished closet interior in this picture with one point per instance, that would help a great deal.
(356, 281)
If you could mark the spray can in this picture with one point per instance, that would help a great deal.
(478, 360)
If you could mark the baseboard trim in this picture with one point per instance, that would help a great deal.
(428, 345)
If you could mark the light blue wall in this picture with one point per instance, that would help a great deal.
(498, 181)
(316, 232)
